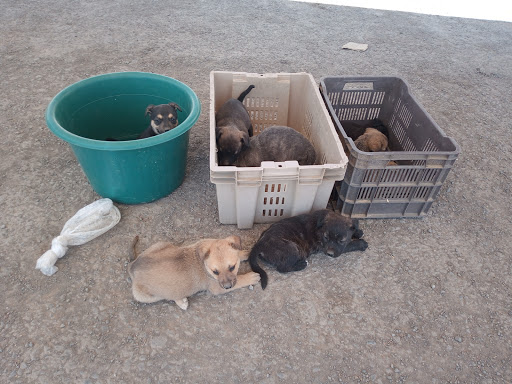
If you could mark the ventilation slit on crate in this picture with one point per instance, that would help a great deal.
(429, 146)
(351, 113)
(263, 112)
(364, 194)
(373, 113)
(273, 202)
(378, 98)
(393, 193)
(405, 116)
(409, 145)
(431, 175)
(411, 175)
(422, 193)
(391, 175)
(307, 124)
(397, 106)
(372, 176)
(334, 97)
(399, 131)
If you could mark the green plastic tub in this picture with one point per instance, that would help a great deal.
(113, 105)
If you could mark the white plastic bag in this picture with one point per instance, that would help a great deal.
(88, 223)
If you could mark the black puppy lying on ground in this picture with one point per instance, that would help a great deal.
(233, 128)
(277, 143)
(287, 244)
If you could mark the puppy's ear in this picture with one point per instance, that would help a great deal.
(176, 106)
(235, 242)
(149, 109)
(320, 222)
(203, 250)
(218, 133)
(244, 139)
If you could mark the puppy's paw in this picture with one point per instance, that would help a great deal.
(252, 278)
(300, 265)
(182, 303)
(362, 244)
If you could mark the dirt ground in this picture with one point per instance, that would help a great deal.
(428, 302)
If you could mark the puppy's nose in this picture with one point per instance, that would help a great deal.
(227, 285)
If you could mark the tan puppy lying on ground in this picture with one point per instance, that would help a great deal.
(165, 271)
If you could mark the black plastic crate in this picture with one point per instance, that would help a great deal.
(401, 182)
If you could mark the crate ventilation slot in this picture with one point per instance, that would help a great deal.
(273, 203)
(261, 102)
(358, 113)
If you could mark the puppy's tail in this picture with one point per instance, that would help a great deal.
(245, 93)
(253, 262)
(134, 248)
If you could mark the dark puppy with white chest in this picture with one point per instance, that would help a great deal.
(277, 143)
(288, 243)
(233, 128)
(163, 118)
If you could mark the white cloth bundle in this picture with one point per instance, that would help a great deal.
(88, 223)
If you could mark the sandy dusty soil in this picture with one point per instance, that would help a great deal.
(428, 302)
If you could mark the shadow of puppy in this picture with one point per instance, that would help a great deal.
(233, 128)
(277, 143)
(288, 243)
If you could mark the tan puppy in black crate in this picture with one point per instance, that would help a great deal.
(165, 271)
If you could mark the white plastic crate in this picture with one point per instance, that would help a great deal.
(275, 190)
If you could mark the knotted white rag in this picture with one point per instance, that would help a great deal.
(88, 223)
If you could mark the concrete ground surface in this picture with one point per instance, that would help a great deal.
(428, 302)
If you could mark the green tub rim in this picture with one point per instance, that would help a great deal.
(84, 142)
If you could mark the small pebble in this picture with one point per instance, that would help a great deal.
(458, 339)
